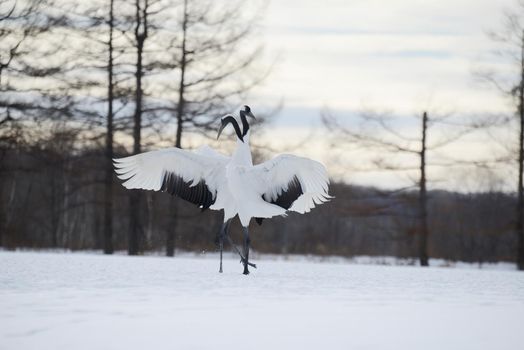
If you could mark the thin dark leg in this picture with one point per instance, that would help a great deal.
(246, 249)
(221, 245)
(242, 259)
(228, 224)
(220, 239)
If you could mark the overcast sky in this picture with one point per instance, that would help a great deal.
(398, 55)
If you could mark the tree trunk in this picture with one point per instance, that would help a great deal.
(3, 213)
(55, 210)
(520, 201)
(108, 203)
(150, 226)
(181, 88)
(171, 233)
(8, 214)
(135, 198)
(134, 223)
(423, 214)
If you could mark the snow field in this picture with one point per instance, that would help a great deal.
(87, 301)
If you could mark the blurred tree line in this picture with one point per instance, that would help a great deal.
(84, 82)
(83, 79)
(47, 204)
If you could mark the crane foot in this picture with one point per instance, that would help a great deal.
(242, 261)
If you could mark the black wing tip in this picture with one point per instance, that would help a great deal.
(198, 194)
(286, 198)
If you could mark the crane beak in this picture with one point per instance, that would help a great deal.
(220, 130)
(250, 114)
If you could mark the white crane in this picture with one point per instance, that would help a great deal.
(214, 181)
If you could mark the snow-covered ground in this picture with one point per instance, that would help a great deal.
(90, 301)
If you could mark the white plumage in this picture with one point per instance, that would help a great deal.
(245, 190)
(148, 170)
(276, 175)
(212, 180)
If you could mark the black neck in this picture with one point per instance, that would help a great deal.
(230, 119)
(245, 124)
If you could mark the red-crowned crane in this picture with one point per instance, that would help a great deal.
(212, 180)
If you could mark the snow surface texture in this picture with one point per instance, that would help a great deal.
(87, 301)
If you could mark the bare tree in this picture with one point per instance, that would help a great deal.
(108, 206)
(214, 61)
(185, 69)
(423, 199)
(378, 133)
(18, 24)
(24, 101)
(510, 42)
(22, 25)
(141, 34)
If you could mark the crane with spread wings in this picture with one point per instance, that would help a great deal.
(233, 184)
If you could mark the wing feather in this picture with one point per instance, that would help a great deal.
(205, 150)
(291, 182)
(190, 175)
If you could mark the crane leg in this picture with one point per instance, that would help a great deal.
(242, 259)
(247, 240)
(220, 240)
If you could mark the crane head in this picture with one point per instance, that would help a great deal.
(247, 111)
(230, 119)
(243, 113)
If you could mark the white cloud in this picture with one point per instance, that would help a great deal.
(402, 55)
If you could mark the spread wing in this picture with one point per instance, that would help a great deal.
(188, 175)
(205, 150)
(292, 182)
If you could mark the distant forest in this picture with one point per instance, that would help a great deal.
(53, 198)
